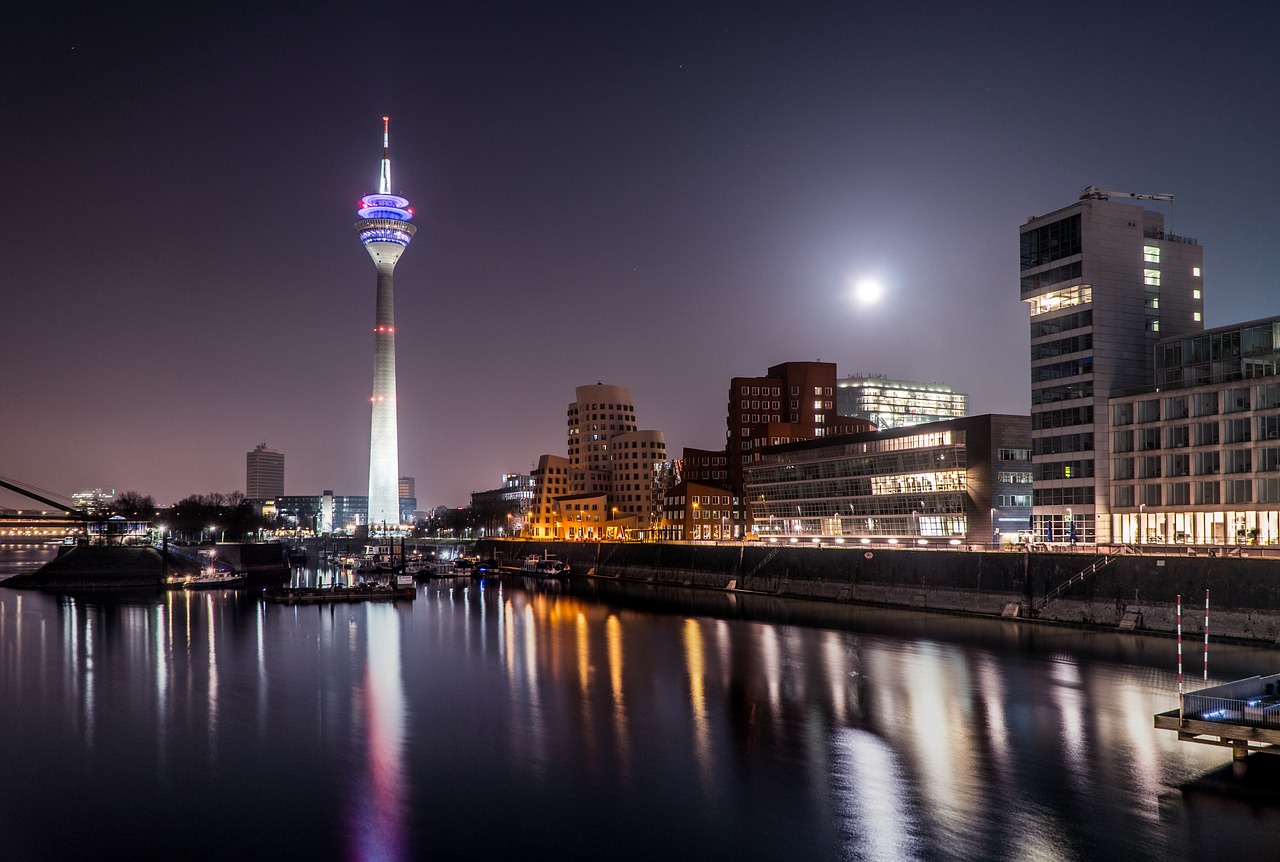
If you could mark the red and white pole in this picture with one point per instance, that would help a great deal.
(1206, 638)
(1179, 656)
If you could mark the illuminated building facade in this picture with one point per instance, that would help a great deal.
(550, 481)
(1195, 459)
(960, 482)
(609, 460)
(385, 231)
(1104, 282)
(898, 403)
(408, 499)
(505, 510)
(700, 511)
(264, 473)
(793, 401)
(94, 501)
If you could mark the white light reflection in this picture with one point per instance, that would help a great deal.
(213, 686)
(1071, 711)
(870, 799)
(262, 670)
(834, 662)
(380, 807)
(88, 683)
(772, 665)
(939, 712)
(991, 684)
(162, 689)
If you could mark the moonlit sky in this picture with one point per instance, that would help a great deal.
(661, 196)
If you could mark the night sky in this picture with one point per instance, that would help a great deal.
(660, 196)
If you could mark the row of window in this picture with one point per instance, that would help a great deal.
(1062, 323)
(1051, 276)
(1059, 370)
(1199, 493)
(767, 405)
(1265, 396)
(1065, 392)
(1050, 470)
(1223, 432)
(1203, 464)
(1081, 495)
(1062, 418)
(1007, 500)
(1062, 347)
(1050, 242)
(1062, 443)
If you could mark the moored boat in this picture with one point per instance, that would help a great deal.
(544, 564)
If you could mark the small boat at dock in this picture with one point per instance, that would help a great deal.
(545, 565)
(207, 580)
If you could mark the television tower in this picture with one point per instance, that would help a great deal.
(385, 231)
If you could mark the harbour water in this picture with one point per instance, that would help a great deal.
(511, 719)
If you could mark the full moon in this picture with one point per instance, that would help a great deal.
(867, 291)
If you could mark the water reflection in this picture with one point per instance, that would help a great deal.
(380, 808)
(399, 731)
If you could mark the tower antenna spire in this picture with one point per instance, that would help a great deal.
(384, 178)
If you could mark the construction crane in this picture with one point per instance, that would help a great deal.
(1097, 194)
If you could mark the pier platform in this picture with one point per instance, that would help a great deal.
(322, 595)
(1243, 715)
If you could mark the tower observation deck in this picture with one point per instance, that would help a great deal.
(385, 230)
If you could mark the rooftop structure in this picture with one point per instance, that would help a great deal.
(898, 403)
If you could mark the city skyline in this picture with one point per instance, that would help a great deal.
(650, 201)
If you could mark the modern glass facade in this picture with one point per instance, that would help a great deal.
(1196, 460)
(963, 481)
(898, 403)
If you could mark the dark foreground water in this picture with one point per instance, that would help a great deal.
(499, 721)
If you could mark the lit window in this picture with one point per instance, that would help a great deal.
(1151, 253)
(1151, 276)
(1196, 316)
(1195, 270)
(1195, 294)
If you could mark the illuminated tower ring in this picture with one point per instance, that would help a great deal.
(385, 230)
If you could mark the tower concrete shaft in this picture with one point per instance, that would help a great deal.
(385, 231)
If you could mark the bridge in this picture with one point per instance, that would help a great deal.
(61, 520)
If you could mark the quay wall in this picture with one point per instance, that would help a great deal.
(1245, 592)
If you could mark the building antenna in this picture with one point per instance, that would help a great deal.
(384, 178)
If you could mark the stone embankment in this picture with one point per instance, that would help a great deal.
(1138, 590)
